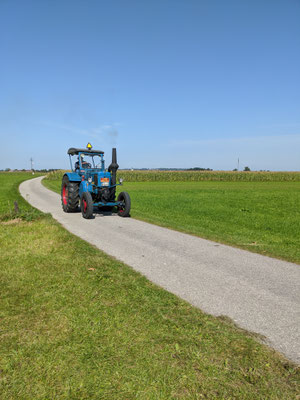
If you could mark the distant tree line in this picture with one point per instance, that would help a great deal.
(199, 169)
(245, 169)
(167, 169)
(29, 170)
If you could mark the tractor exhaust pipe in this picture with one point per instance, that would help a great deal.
(113, 170)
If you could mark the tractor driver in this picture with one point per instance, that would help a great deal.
(84, 163)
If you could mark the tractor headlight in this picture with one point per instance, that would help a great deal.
(90, 180)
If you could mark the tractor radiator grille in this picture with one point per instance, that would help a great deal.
(96, 179)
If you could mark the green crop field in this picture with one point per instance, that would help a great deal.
(263, 217)
(77, 324)
(199, 176)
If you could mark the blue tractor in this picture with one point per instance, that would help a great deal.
(90, 184)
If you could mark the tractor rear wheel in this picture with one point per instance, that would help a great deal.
(69, 195)
(124, 207)
(86, 205)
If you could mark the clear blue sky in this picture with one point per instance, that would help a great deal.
(170, 83)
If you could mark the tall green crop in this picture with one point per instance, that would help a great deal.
(196, 176)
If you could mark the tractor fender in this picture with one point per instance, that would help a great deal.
(73, 177)
(84, 187)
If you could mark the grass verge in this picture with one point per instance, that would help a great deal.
(9, 195)
(77, 324)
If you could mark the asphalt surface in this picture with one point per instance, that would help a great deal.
(259, 293)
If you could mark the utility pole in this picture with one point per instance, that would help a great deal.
(31, 163)
(238, 167)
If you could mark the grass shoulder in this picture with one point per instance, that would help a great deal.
(12, 204)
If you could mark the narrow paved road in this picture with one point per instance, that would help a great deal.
(259, 293)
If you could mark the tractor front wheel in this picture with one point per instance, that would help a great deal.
(86, 205)
(124, 207)
(69, 195)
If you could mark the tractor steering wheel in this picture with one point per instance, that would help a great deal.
(86, 165)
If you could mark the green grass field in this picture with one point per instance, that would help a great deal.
(263, 217)
(77, 324)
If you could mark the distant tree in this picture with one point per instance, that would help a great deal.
(199, 169)
(7, 169)
(235, 169)
(247, 169)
